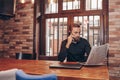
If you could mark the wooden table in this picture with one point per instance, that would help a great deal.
(42, 67)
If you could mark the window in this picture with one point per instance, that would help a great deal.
(93, 4)
(59, 15)
(51, 6)
(70, 4)
(56, 31)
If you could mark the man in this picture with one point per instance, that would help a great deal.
(74, 48)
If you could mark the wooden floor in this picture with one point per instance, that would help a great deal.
(42, 67)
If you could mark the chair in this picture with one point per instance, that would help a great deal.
(8, 74)
(23, 56)
(21, 75)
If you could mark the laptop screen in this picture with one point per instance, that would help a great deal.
(97, 55)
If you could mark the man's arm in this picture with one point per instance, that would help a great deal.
(69, 41)
(64, 48)
(87, 48)
(63, 52)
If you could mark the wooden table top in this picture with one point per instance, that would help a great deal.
(42, 67)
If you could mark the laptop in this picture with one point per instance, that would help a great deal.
(96, 57)
(66, 65)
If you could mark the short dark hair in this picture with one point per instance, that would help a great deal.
(76, 25)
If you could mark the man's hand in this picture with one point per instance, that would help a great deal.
(69, 40)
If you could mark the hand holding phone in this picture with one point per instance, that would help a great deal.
(69, 40)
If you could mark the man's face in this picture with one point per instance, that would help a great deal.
(76, 33)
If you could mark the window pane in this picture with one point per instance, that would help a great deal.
(99, 4)
(71, 4)
(96, 21)
(51, 6)
(93, 4)
(94, 25)
(56, 32)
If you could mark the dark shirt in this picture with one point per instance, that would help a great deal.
(76, 51)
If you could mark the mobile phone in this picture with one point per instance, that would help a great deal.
(73, 40)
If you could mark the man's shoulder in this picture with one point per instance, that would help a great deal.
(83, 39)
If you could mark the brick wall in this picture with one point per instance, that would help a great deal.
(18, 31)
(114, 39)
(1, 37)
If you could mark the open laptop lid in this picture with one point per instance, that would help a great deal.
(97, 55)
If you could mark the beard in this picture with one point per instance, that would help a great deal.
(76, 39)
